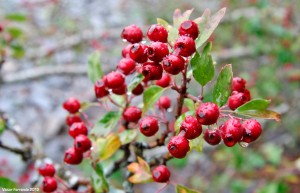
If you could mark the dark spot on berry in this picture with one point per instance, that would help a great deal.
(201, 114)
(167, 63)
(173, 147)
(187, 25)
(135, 47)
(181, 46)
(156, 174)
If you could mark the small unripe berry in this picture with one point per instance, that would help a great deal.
(82, 143)
(157, 33)
(126, 66)
(139, 89)
(126, 50)
(113, 79)
(236, 100)
(157, 51)
(164, 81)
(231, 132)
(185, 46)
(149, 126)
(238, 84)
(189, 28)
(49, 184)
(72, 105)
(212, 137)
(173, 64)
(138, 53)
(120, 90)
(132, 34)
(132, 114)
(207, 113)
(73, 118)
(178, 146)
(164, 102)
(192, 127)
(46, 170)
(78, 129)
(161, 174)
(252, 130)
(152, 70)
(73, 157)
(100, 89)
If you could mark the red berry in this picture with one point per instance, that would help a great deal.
(126, 66)
(47, 170)
(236, 100)
(238, 84)
(73, 157)
(77, 129)
(49, 184)
(247, 95)
(157, 51)
(231, 132)
(161, 174)
(252, 130)
(164, 81)
(149, 126)
(120, 90)
(178, 146)
(72, 105)
(126, 50)
(82, 143)
(173, 64)
(164, 102)
(132, 34)
(114, 79)
(152, 71)
(157, 33)
(132, 114)
(192, 127)
(189, 28)
(138, 52)
(207, 113)
(100, 89)
(72, 118)
(139, 89)
(212, 137)
(185, 46)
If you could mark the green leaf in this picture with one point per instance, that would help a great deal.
(162, 22)
(258, 108)
(8, 184)
(207, 25)
(180, 119)
(99, 180)
(2, 126)
(151, 95)
(222, 88)
(106, 123)
(18, 17)
(183, 189)
(94, 67)
(14, 32)
(203, 67)
(136, 80)
(189, 103)
(18, 50)
(197, 144)
(128, 136)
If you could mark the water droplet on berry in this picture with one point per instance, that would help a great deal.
(243, 144)
(124, 40)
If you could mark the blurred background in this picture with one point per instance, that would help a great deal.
(46, 43)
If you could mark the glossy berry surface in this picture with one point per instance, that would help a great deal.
(126, 66)
(138, 90)
(231, 132)
(132, 114)
(152, 71)
(192, 127)
(161, 174)
(138, 53)
(252, 130)
(212, 137)
(114, 79)
(164, 81)
(72, 118)
(100, 89)
(189, 28)
(72, 105)
(238, 84)
(132, 34)
(120, 90)
(236, 100)
(46, 170)
(157, 33)
(164, 102)
(178, 146)
(49, 184)
(126, 50)
(185, 46)
(73, 157)
(207, 113)
(149, 126)
(78, 129)
(157, 51)
(82, 143)
(173, 64)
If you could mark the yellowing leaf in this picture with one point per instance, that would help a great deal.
(183, 189)
(141, 172)
(108, 146)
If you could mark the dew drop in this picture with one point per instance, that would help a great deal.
(124, 40)
(243, 144)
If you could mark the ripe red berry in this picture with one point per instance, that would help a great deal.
(192, 127)
(139, 89)
(252, 130)
(212, 137)
(72, 118)
(161, 174)
(100, 89)
(132, 34)
(152, 71)
(138, 52)
(126, 50)
(207, 113)
(126, 66)
(238, 84)
(120, 90)
(46, 170)
(189, 28)
(164, 102)
(49, 184)
(178, 146)
(236, 100)
(157, 51)
(157, 33)
(185, 46)
(73, 157)
(132, 114)
(173, 64)
(149, 126)
(77, 129)
(231, 132)
(247, 95)
(164, 81)
(82, 143)
(113, 79)
(72, 105)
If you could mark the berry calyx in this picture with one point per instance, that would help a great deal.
(73, 157)
(157, 51)
(132, 114)
(152, 71)
(178, 146)
(161, 174)
(173, 64)
(252, 130)
(157, 33)
(126, 66)
(82, 143)
(132, 34)
(138, 90)
(231, 132)
(236, 100)
(164, 81)
(189, 28)
(192, 127)
(78, 129)
(49, 184)
(100, 89)
(72, 118)
(164, 102)
(212, 137)
(46, 170)
(238, 84)
(72, 105)
(185, 46)
(138, 53)
(113, 79)
(149, 126)
(120, 90)
(207, 113)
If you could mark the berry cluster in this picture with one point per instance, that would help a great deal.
(239, 95)
(49, 183)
